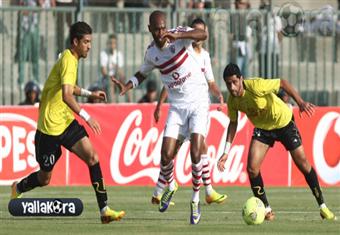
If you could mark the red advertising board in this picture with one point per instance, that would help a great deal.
(130, 143)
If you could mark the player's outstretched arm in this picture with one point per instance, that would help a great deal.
(68, 92)
(213, 88)
(230, 137)
(122, 77)
(132, 83)
(101, 95)
(196, 34)
(306, 107)
(161, 100)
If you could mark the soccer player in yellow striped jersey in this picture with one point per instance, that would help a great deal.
(273, 121)
(57, 126)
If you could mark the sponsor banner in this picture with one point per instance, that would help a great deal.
(129, 148)
(321, 139)
(17, 150)
(130, 145)
(45, 207)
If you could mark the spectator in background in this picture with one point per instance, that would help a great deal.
(161, 3)
(240, 36)
(32, 93)
(3, 28)
(111, 64)
(198, 6)
(135, 18)
(337, 35)
(28, 41)
(306, 39)
(270, 43)
(62, 19)
(103, 22)
(151, 93)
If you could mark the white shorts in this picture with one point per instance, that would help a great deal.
(186, 133)
(182, 122)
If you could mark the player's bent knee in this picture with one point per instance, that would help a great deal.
(195, 156)
(253, 172)
(92, 159)
(44, 178)
(304, 166)
(44, 181)
(195, 153)
(166, 156)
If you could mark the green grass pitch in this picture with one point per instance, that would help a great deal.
(295, 208)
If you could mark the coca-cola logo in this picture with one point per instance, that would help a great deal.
(135, 152)
(136, 155)
(17, 151)
(330, 122)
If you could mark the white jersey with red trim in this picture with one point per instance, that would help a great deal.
(204, 61)
(180, 72)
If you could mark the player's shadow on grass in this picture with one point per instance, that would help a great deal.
(72, 219)
(153, 219)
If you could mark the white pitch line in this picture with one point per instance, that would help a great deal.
(237, 212)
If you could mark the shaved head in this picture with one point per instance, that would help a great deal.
(156, 16)
(157, 27)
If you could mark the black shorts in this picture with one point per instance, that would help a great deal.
(48, 147)
(289, 136)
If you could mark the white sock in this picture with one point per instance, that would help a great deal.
(160, 185)
(168, 174)
(196, 196)
(157, 192)
(196, 180)
(208, 190)
(206, 175)
(323, 205)
(268, 209)
(172, 185)
(102, 211)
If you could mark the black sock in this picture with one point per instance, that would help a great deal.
(258, 189)
(98, 185)
(313, 183)
(28, 183)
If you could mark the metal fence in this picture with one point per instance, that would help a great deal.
(308, 55)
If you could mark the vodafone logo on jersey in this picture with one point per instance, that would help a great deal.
(326, 150)
(175, 75)
(17, 150)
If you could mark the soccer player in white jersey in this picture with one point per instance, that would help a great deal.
(188, 97)
(202, 58)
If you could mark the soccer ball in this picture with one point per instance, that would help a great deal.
(292, 18)
(253, 211)
(57, 206)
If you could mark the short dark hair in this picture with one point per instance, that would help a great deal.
(32, 86)
(78, 30)
(231, 70)
(197, 21)
(112, 36)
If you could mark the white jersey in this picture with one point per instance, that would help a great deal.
(180, 72)
(203, 60)
(111, 61)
